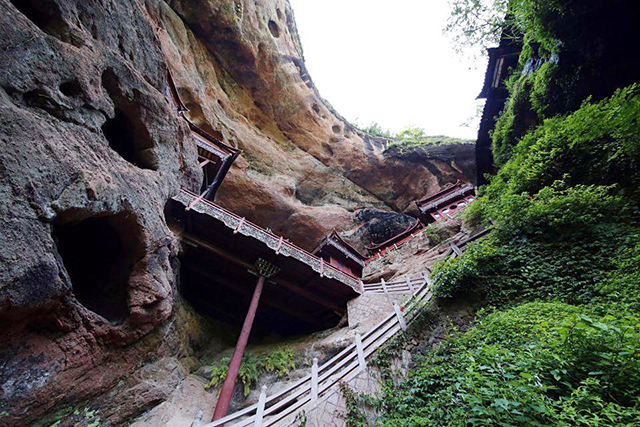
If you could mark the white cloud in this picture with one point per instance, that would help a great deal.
(388, 62)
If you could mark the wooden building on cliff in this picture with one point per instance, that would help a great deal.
(416, 227)
(501, 60)
(215, 156)
(232, 269)
(338, 253)
(445, 203)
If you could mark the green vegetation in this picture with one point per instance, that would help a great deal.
(432, 234)
(479, 24)
(376, 130)
(355, 402)
(568, 232)
(558, 343)
(536, 364)
(279, 361)
(410, 136)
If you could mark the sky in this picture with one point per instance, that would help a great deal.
(387, 61)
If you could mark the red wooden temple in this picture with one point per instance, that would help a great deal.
(215, 156)
(415, 228)
(445, 203)
(218, 271)
(215, 159)
(235, 271)
(338, 253)
(296, 291)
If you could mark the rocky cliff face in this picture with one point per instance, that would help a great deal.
(239, 68)
(92, 150)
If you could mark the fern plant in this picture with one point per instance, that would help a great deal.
(279, 361)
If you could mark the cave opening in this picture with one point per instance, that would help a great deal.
(98, 254)
(126, 131)
(47, 16)
(119, 132)
(71, 88)
(274, 29)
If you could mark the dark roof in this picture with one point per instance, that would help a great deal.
(430, 197)
(396, 238)
(334, 239)
(221, 250)
(209, 143)
(509, 45)
(442, 196)
(495, 53)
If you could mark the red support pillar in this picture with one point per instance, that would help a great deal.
(222, 407)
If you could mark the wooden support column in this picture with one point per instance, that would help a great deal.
(403, 324)
(360, 350)
(260, 411)
(222, 406)
(314, 382)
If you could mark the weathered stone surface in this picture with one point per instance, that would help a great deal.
(70, 71)
(91, 152)
(304, 170)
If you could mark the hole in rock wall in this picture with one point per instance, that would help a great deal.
(126, 132)
(336, 129)
(71, 89)
(274, 29)
(46, 15)
(98, 254)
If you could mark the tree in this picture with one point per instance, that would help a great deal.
(475, 25)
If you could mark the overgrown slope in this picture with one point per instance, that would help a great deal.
(559, 342)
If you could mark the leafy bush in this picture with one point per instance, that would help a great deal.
(566, 207)
(536, 364)
(249, 373)
(481, 23)
(561, 244)
(279, 361)
(432, 234)
(376, 130)
(525, 108)
(597, 144)
(567, 213)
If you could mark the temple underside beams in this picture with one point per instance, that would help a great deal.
(218, 272)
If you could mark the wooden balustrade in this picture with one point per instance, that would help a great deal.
(349, 362)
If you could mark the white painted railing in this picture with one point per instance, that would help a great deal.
(350, 361)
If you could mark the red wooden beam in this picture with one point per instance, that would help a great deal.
(222, 406)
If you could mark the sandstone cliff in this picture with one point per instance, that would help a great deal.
(92, 150)
(239, 69)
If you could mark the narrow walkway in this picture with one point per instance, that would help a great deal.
(307, 393)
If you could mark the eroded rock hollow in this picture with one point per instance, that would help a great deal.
(92, 150)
